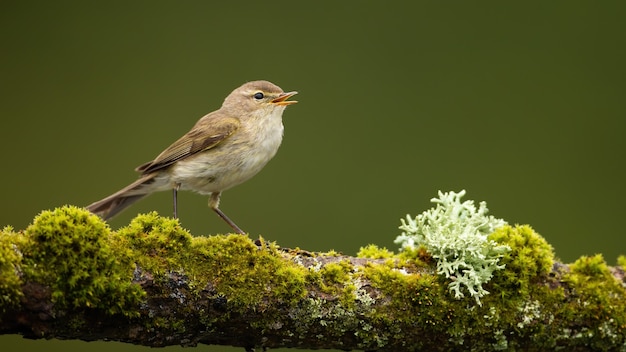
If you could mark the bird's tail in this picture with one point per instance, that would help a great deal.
(115, 203)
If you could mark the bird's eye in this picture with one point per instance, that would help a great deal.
(259, 96)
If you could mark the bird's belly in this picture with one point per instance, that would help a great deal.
(211, 172)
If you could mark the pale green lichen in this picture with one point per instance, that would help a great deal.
(455, 234)
(530, 313)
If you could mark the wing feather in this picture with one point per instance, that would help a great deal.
(206, 134)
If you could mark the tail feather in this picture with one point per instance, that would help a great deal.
(115, 203)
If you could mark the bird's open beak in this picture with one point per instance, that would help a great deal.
(282, 99)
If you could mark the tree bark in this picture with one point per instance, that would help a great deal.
(174, 314)
(228, 290)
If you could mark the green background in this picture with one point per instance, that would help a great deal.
(522, 105)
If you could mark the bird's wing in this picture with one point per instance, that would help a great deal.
(206, 134)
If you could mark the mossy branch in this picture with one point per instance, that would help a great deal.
(69, 276)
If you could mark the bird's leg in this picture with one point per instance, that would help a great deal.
(214, 202)
(175, 195)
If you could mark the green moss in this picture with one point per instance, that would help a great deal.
(407, 290)
(336, 280)
(415, 300)
(416, 256)
(403, 288)
(530, 261)
(528, 249)
(621, 261)
(330, 253)
(10, 265)
(69, 249)
(89, 266)
(374, 252)
(155, 243)
(246, 273)
(600, 303)
(336, 273)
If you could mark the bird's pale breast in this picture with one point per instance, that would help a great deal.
(233, 161)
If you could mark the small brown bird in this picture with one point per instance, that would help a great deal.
(223, 149)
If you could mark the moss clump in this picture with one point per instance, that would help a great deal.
(529, 262)
(415, 301)
(86, 265)
(372, 251)
(247, 273)
(600, 305)
(403, 288)
(69, 250)
(333, 274)
(10, 266)
(330, 253)
(156, 243)
(336, 280)
(621, 261)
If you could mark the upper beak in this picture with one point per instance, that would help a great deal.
(282, 99)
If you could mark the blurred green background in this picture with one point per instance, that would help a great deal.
(522, 105)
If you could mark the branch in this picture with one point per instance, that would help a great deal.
(68, 276)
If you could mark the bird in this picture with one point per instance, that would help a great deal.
(223, 149)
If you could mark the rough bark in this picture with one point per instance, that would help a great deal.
(173, 313)
(68, 276)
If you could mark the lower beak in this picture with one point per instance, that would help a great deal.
(282, 99)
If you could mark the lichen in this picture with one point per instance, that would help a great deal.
(456, 235)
